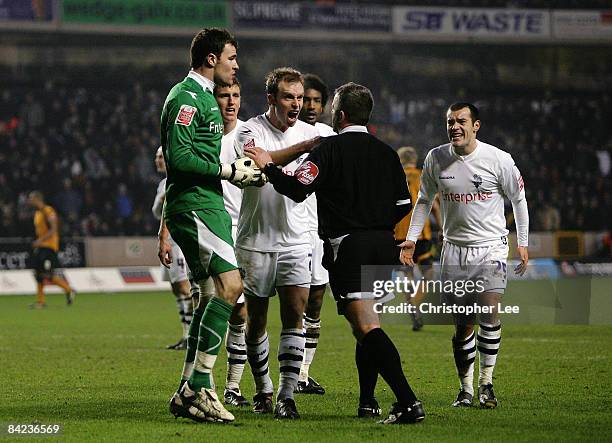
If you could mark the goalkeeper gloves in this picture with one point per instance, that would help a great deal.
(242, 173)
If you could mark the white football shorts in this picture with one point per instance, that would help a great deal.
(179, 271)
(263, 272)
(208, 287)
(485, 263)
(320, 276)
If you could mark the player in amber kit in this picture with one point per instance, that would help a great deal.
(45, 247)
(423, 253)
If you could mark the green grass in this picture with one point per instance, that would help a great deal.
(100, 370)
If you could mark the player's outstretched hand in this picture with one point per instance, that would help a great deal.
(407, 252)
(242, 173)
(522, 266)
(164, 252)
(260, 156)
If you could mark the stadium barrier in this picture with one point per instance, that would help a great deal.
(142, 251)
(106, 280)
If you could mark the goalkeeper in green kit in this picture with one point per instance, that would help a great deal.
(195, 216)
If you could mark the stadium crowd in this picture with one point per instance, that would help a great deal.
(90, 147)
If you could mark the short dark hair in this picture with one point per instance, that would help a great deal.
(356, 101)
(473, 109)
(313, 81)
(290, 75)
(209, 41)
(407, 154)
(37, 195)
(217, 86)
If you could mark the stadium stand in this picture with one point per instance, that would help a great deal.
(87, 137)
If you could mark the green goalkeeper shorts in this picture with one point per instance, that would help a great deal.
(205, 237)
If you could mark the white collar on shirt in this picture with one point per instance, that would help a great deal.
(202, 81)
(353, 128)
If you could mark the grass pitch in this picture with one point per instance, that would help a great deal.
(100, 370)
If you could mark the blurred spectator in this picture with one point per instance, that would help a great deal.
(549, 218)
(124, 202)
(31, 113)
(69, 202)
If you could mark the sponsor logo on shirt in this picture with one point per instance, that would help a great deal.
(307, 173)
(446, 177)
(185, 115)
(215, 128)
(466, 197)
(249, 144)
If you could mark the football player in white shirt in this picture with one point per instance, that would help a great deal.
(228, 98)
(177, 273)
(472, 178)
(273, 246)
(315, 99)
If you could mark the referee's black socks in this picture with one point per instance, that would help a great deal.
(368, 374)
(378, 348)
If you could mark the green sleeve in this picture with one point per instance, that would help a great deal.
(181, 155)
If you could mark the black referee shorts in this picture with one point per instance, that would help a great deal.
(44, 262)
(344, 259)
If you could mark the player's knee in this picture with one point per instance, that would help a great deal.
(182, 289)
(463, 331)
(231, 289)
(238, 315)
(360, 330)
(292, 315)
(313, 308)
(256, 327)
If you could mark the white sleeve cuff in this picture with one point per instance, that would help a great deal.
(521, 218)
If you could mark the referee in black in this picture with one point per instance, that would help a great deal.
(361, 194)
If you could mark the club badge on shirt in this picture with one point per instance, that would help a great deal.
(185, 115)
(307, 173)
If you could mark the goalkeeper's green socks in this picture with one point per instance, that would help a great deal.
(212, 333)
(192, 343)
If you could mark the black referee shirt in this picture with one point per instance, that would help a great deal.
(358, 180)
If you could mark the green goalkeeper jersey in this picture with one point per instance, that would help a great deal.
(191, 132)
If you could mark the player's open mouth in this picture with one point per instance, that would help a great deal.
(230, 110)
(293, 114)
(457, 136)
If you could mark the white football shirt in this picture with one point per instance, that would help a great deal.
(311, 201)
(269, 221)
(158, 208)
(158, 203)
(472, 190)
(232, 195)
